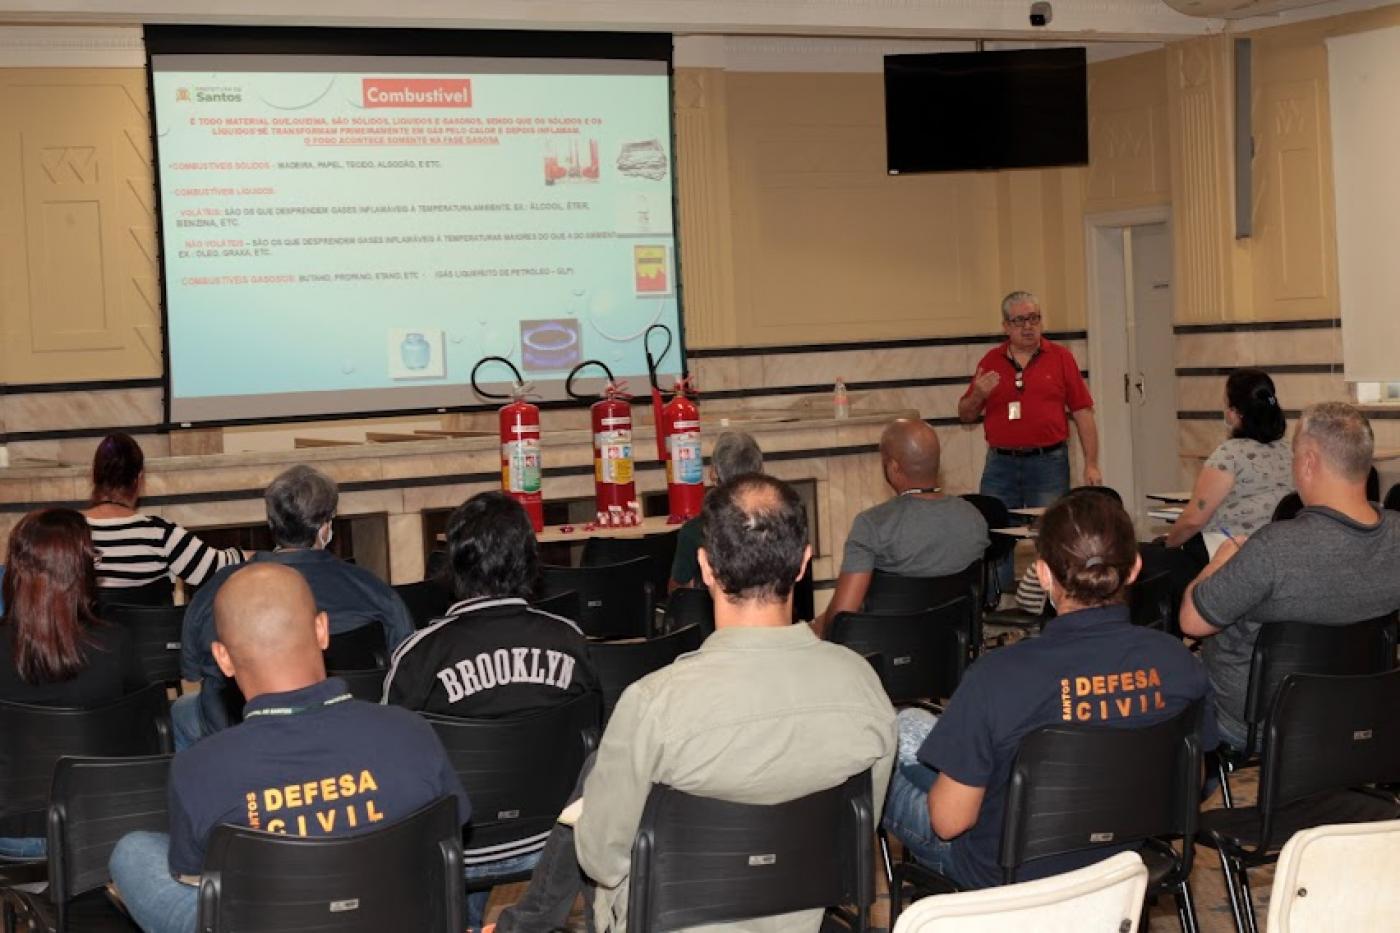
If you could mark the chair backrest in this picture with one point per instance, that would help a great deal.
(1373, 486)
(1150, 600)
(659, 548)
(1328, 733)
(404, 876)
(923, 654)
(892, 593)
(1337, 878)
(156, 632)
(425, 600)
(1076, 787)
(996, 515)
(615, 599)
(1288, 507)
(367, 685)
(699, 861)
(1392, 498)
(804, 597)
(689, 606)
(94, 803)
(566, 604)
(1105, 896)
(359, 649)
(519, 771)
(620, 664)
(1284, 648)
(35, 737)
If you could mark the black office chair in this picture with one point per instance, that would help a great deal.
(36, 737)
(701, 861)
(94, 803)
(155, 631)
(435, 565)
(1284, 648)
(690, 606)
(923, 654)
(1392, 498)
(1150, 601)
(367, 685)
(996, 515)
(518, 772)
(425, 600)
(804, 597)
(892, 593)
(1373, 486)
(359, 649)
(1326, 736)
(566, 604)
(1288, 507)
(1077, 787)
(659, 548)
(616, 599)
(403, 876)
(620, 664)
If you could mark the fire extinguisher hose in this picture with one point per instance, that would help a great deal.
(569, 382)
(519, 380)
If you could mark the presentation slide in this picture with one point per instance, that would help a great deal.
(354, 233)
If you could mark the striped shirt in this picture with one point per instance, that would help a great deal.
(137, 550)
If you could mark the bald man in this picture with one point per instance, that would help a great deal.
(919, 533)
(307, 760)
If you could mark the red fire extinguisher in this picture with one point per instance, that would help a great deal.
(614, 486)
(677, 438)
(520, 444)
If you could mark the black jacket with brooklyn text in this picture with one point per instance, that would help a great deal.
(489, 658)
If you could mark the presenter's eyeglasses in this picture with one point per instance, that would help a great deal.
(1024, 320)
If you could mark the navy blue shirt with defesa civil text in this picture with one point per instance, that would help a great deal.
(309, 762)
(1092, 666)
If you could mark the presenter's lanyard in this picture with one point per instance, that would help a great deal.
(920, 490)
(1021, 370)
(295, 710)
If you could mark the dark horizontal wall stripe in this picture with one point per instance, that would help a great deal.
(707, 353)
(825, 387)
(1372, 414)
(1277, 369)
(1241, 327)
(106, 385)
(66, 433)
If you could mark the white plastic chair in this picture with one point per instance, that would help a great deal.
(1340, 878)
(1105, 897)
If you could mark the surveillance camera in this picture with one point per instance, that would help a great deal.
(1041, 14)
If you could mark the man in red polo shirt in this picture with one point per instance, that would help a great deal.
(1025, 390)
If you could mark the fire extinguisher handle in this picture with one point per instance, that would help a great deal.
(497, 359)
(654, 362)
(569, 382)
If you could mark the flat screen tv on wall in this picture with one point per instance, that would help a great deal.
(974, 111)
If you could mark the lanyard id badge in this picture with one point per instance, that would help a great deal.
(1013, 410)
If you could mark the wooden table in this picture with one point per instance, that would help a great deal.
(555, 534)
(1018, 531)
(1170, 496)
(1032, 511)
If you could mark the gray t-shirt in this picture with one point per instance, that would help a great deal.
(915, 537)
(1319, 567)
(1263, 475)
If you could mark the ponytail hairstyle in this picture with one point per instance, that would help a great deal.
(50, 592)
(1089, 544)
(1250, 392)
(116, 468)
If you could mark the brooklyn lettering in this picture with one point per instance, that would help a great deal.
(507, 666)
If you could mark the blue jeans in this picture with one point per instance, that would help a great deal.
(489, 871)
(906, 814)
(23, 847)
(158, 903)
(1024, 482)
(187, 722)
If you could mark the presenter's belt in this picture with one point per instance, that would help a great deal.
(1028, 451)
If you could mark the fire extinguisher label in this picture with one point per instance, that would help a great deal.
(614, 464)
(520, 468)
(687, 466)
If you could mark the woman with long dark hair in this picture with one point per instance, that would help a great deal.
(1246, 476)
(139, 553)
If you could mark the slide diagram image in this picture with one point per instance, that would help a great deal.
(416, 354)
(550, 346)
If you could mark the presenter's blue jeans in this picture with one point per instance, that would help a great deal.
(158, 903)
(1024, 482)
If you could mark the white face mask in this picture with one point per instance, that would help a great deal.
(323, 544)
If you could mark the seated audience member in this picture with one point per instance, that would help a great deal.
(735, 452)
(54, 651)
(1335, 563)
(300, 505)
(493, 655)
(763, 713)
(947, 803)
(919, 533)
(297, 726)
(1246, 476)
(138, 554)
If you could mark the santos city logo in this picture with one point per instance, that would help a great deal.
(417, 92)
(209, 95)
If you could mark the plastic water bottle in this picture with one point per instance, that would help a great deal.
(841, 402)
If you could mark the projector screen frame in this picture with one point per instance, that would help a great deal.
(299, 40)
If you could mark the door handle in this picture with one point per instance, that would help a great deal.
(1126, 397)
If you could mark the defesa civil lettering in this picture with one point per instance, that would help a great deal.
(1087, 698)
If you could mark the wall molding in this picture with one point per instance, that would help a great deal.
(1273, 369)
(710, 353)
(72, 47)
(1242, 327)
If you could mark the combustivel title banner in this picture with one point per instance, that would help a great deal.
(354, 234)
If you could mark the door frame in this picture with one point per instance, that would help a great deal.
(1108, 364)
